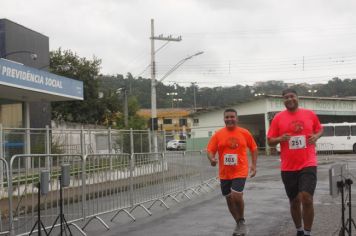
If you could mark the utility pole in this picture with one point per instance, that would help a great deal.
(126, 106)
(126, 109)
(195, 100)
(153, 80)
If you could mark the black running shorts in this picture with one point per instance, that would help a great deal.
(227, 185)
(303, 180)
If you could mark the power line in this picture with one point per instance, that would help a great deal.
(313, 79)
(281, 30)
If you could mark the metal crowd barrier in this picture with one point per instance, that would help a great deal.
(148, 177)
(324, 150)
(107, 185)
(99, 184)
(5, 213)
(25, 174)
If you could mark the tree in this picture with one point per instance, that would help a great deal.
(135, 121)
(92, 109)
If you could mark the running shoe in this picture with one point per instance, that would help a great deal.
(240, 229)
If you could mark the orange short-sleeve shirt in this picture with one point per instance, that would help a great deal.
(230, 144)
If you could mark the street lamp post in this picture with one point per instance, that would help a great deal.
(312, 91)
(181, 62)
(259, 94)
(177, 100)
(172, 94)
(153, 90)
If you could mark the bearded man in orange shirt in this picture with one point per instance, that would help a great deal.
(231, 143)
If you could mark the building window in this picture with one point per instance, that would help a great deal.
(182, 122)
(167, 121)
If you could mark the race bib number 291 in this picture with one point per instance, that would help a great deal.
(230, 159)
(297, 142)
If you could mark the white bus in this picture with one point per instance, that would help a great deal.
(340, 136)
(337, 137)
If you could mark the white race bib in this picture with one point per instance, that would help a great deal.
(297, 142)
(230, 159)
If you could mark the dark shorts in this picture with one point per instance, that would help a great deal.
(227, 185)
(303, 180)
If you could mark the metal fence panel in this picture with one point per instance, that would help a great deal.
(69, 141)
(79, 141)
(324, 150)
(148, 177)
(175, 175)
(208, 171)
(107, 183)
(4, 200)
(25, 174)
(194, 168)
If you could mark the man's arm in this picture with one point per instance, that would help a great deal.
(312, 139)
(253, 169)
(274, 141)
(212, 158)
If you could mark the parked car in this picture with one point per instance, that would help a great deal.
(176, 145)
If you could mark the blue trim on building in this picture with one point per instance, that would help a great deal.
(19, 76)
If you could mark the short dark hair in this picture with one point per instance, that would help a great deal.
(230, 110)
(289, 90)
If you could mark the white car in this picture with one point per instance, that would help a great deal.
(176, 145)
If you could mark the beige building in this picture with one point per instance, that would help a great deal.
(173, 120)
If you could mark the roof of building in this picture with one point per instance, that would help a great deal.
(275, 96)
(166, 112)
(318, 98)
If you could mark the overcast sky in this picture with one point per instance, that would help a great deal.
(244, 41)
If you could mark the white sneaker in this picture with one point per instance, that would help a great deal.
(236, 230)
(243, 228)
(240, 229)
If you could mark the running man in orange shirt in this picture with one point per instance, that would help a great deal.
(231, 143)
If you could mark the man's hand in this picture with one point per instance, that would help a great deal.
(252, 171)
(213, 161)
(284, 137)
(312, 139)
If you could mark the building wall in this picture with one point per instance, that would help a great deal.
(323, 106)
(175, 126)
(14, 38)
(11, 115)
(252, 116)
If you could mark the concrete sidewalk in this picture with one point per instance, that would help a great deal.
(266, 210)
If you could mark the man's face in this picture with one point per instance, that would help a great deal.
(290, 101)
(230, 119)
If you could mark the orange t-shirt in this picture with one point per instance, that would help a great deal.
(231, 146)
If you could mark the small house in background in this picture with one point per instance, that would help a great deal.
(175, 121)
